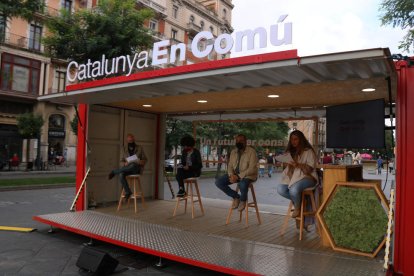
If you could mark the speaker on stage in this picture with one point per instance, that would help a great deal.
(96, 261)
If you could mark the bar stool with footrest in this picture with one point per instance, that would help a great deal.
(307, 194)
(137, 191)
(191, 184)
(252, 203)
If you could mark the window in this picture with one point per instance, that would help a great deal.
(60, 81)
(67, 5)
(153, 25)
(35, 36)
(224, 14)
(2, 28)
(175, 11)
(202, 25)
(174, 34)
(190, 41)
(19, 74)
(57, 122)
(211, 29)
(202, 45)
(192, 19)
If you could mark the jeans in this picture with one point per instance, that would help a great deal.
(269, 170)
(261, 172)
(183, 174)
(294, 193)
(223, 183)
(123, 172)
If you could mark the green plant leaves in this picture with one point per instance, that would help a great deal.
(356, 219)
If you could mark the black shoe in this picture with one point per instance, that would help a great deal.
(127, 196)
(181, 193)
(111, 175)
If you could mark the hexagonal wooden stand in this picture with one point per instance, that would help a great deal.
(360, 185)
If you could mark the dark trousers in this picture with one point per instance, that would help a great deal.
(183, 174)
(123, 172)
(223, 183)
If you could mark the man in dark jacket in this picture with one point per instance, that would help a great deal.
(133, 159)
(190, 163)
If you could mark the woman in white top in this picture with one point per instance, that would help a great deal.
(299, 174)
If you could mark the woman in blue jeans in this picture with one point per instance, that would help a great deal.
(300, 173)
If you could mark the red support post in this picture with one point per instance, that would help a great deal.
(404, 211)
(81, 154)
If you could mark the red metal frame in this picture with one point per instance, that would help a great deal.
(158, 148)
(146, 250)
(404, 224)
(198, 67)
(81, 154)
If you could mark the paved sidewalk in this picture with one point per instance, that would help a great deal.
(58, 171)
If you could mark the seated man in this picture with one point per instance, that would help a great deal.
(242, 169)
(190, 163)
(137, 159)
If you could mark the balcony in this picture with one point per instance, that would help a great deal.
(193, 29)
(19, 41)
(158, 6)
(157, 36)
(47, 12)
(174, 41)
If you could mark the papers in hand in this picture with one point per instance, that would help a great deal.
(285, 158)
(132, 158)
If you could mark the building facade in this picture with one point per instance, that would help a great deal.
(27, 72)
(180, 20)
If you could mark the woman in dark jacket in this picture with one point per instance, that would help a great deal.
(190, 163)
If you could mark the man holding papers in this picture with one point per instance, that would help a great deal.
(300, 172)
(133, 159)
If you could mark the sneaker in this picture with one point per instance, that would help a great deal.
(242, 205)
(236, 203)
(111, 175)
(181, 193)
(127, 196)
(295, 213)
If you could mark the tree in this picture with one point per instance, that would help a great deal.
(20, 8)
(400, 13)
(29, 127)
(113, 28)
(74, 125)
(176, 129)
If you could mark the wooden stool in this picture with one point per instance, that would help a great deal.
(189, 183)
(249, 204)
(303, 213)
(136, 193)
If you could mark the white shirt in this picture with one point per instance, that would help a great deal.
(307, 157)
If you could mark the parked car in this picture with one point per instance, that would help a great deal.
(169, 163)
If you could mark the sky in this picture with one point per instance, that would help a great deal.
(320, 26)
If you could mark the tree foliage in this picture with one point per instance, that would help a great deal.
(400, 13)
(224, 130)
(74, 125)
(113, 28)
(29, 125)
(20, 8)
(176, 129)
